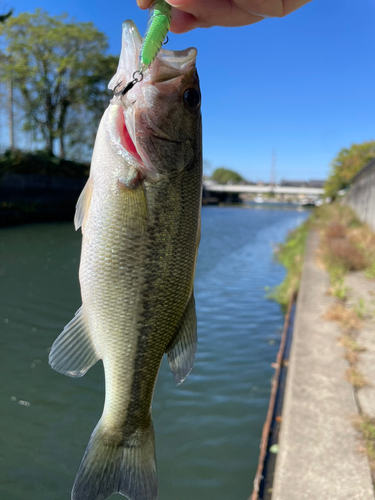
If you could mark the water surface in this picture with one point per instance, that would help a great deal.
(208, 429)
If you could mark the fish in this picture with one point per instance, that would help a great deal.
(140, 219)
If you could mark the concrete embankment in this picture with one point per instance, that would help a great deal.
(361, 196)
(38, 198)
(319, 451)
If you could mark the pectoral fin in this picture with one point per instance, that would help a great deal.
(83, 204)
(73, 352)
(182, 351)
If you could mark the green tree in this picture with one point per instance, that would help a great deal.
(83, 120)
(4, 17)
(59, 66)
(346, 164)
(223, 175)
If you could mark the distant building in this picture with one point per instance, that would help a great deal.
(316, 184)
(285, 182)
(313, 183)
(244, 182)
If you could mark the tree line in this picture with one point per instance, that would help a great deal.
(60, 70)
(347, 163)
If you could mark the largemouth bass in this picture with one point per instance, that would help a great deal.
(140, 218)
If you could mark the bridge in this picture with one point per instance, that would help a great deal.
(213, 187)
(230, 192)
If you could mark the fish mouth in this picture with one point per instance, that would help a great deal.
(168, 66)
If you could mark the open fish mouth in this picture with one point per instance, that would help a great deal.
(129, 121)
(168, 64)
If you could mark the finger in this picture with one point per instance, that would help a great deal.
(271, 8)
(208, 13)
(183, 22)
(292, 5)
(144, 4)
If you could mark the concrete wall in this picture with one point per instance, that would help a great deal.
(361, 196)
(37, 198)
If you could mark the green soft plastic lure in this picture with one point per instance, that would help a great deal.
(158, 25)
(157, 28)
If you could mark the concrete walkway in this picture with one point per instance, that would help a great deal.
(319, 457)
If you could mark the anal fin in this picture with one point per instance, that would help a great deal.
(73, 352)
(181, 352)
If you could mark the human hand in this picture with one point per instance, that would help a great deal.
(190, 14)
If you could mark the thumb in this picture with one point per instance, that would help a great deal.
(144, 4)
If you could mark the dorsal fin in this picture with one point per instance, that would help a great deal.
(83, 204)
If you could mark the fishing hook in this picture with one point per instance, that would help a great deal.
(130, 85)
(117, 86)
(166, 41)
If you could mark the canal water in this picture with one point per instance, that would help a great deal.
(208, 429)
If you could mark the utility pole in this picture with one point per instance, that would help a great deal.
(273, 169)
(10, 113)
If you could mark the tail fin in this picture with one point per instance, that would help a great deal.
(110, 466)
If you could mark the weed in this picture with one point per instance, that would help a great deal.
(347, 318)
(352, 349)
(336, 273)
(351, 344)
(336, 230)
(334, 213)
(341, 251)
(366, 426)
(290, 254)
(346, 245)
(370, 271)
(363, 237)
(360, 308)
(356, 378)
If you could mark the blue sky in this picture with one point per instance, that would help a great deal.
(303, 85)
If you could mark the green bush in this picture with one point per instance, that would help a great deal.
(39, 162)
(223, 175)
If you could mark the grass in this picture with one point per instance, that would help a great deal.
(366, 426)
(290, 254)
(337, 279)
(370, 271)
(347, 318)
(350, 323)
(335, 213)
(346, 245)
(351, 344)
(340, 252)
(360, 308)
(356, 378)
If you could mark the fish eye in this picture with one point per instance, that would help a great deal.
(192, 98)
